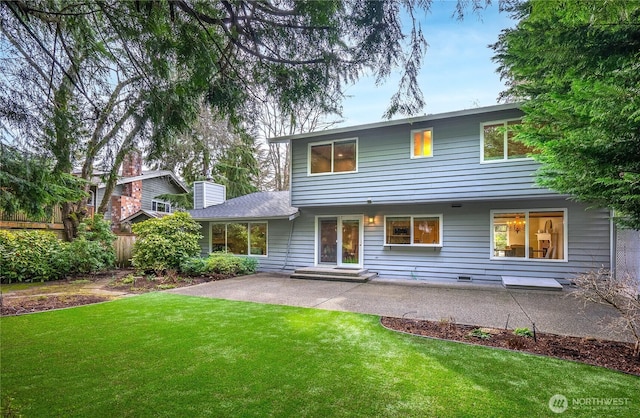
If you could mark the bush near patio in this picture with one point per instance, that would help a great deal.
(165, 243)
(219, 263)
(41, 256)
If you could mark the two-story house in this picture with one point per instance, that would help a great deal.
(436, 197)
(135, 196)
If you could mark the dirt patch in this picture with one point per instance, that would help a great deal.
(29, 304)
(87, 289)
(610, 354)
(133, 283)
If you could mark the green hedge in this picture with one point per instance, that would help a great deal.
(220, 263)
(41, 256)
(31, 255)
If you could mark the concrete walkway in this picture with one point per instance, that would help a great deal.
(557, 312)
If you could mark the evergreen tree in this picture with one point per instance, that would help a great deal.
(576, 65)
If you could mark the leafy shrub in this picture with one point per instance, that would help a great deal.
(194, 266)
(165, 243)
(93, 249)
(40, 255)
(223, 263)
(31, 255)
(479, 333)
(523, 332)
(249, 265)
(220, 263)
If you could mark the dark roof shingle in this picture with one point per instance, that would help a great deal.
(257, 205)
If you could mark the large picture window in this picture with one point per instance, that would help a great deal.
(248, 238)
(539, 234)
(498, 143)
(413, 230)
(333, 157)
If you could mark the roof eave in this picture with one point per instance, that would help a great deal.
(244, 218)
(406, 121)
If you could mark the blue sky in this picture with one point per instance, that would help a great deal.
(457, 71)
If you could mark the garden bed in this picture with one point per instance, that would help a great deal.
(89, 288)
(610, 354)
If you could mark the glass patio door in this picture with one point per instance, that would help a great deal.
(328, 240)
(340, 241)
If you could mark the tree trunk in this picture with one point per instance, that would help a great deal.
(73, 213)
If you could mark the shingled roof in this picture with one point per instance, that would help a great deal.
(259, 205)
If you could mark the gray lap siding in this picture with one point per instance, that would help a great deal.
(465, 245)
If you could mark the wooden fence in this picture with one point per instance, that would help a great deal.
(53, 222)
(124, 248)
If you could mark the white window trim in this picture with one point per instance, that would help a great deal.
(417, 157)
(248, 254)
(526, 258)
(505, 156)
(440, 230)
(332, 142)
(154, 202)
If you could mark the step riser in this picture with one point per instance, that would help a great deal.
(330, 278)
(333, 272)
(356, 276)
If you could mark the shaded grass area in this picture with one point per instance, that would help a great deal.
(169, 355)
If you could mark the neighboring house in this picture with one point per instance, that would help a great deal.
(445, 196)
(133, 199)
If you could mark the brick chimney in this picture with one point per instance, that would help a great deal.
(132, 164)
(130, 201)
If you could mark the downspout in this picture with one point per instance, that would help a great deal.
(292, 218)
(613, 244)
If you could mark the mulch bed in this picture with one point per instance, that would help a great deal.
(122, 280)
(19, 306)
(610, 354)
(143, 284)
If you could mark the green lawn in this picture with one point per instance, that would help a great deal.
(167, 355)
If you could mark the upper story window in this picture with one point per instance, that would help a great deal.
(160, 206)
(498, 144)
(340, 156)
(422, 143)
(413, 230)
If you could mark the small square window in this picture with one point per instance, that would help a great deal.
(159, 206)
(422, 143)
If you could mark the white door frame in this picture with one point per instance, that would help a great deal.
(340, 218)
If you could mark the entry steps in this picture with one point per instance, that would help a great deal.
(530, 283)
(334, 274)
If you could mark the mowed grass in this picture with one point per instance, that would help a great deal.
(168, 355)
